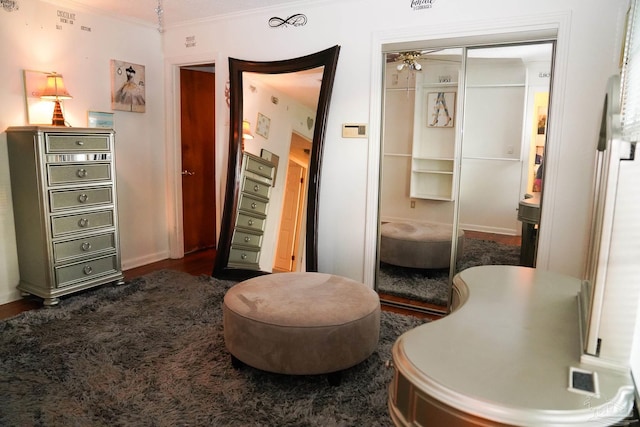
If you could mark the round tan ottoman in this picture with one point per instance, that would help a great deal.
(301, 323)
(418, 244)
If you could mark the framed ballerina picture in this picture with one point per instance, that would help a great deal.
(127, 86)
(441, 107)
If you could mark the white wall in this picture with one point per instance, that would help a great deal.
(590, 38)
(31, 40)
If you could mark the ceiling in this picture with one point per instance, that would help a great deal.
(175, 11)
(303, 86)
(541, 51)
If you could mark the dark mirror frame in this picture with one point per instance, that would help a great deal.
(329, 60)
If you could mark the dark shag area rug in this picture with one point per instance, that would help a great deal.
(151, 353)
(431, 286)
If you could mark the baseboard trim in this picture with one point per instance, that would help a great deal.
(11, 296)
(144, 260)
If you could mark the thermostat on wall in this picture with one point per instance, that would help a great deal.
(354, 130)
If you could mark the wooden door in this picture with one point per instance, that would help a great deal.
(197, 106)
(290, 221)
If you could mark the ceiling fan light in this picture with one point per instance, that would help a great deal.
(410, 60)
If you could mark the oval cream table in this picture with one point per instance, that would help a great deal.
(502, 358)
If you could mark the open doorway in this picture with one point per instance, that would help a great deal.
(293, 206)
(197, 130)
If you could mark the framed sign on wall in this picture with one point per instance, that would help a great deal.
(99, 119)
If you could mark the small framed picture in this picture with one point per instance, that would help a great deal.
(542, 120)
(441, 107)
(99, 119)
(262, 125)
(127, 86)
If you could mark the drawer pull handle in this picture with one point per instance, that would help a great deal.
(243, 256)
(87, 269)
(260, 167)
(79, 142)
(83, 198)
(247, 239)
(82, 173)
(253, 205)
(256, 187)
(86, 246)
(250, 222)
(84, 222)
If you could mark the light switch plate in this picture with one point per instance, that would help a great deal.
(354, 130)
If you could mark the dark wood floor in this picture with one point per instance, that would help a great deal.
(500, 238)
(196, 263)
(201, 262)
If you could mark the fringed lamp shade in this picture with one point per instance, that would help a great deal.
(246, 132)
(56, 91)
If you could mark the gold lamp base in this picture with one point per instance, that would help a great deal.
(58, 118)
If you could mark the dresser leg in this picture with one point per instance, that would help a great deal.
(49, 302)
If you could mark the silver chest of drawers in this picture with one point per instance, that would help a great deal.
(63, 185)
(255, 190)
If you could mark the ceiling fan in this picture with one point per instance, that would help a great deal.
(408, 59)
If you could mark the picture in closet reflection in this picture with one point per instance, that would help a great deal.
(441, 109)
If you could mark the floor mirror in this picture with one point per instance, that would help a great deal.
(277, 126)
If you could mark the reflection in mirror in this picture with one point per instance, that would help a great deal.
(462, 154)
(506, 101)
(417, 187)
(290, 100)
(278, 117)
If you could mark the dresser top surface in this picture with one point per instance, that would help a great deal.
(57, 129)
(507, 351)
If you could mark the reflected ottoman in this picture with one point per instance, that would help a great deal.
(418, 244)
(301, 323)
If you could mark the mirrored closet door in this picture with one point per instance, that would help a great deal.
(464, 131)
(418, 176)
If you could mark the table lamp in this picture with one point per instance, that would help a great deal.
(56, 91)
(246, 132)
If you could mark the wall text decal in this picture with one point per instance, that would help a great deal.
(421, 4)
(297, 20)
(64, 17)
